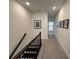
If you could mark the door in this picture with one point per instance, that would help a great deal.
(50, 29)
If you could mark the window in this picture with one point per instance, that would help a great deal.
(51, 26)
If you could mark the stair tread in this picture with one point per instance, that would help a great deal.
(33, 46)
(32, 49)
(26, 55)
(25, 58)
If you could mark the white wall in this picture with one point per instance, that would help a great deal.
(20, 22)
(43, 16)
(63, 35)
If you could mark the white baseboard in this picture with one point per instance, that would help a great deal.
(68, 55)
(65, 50)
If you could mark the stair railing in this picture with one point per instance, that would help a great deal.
(17, 46)
(38, 37)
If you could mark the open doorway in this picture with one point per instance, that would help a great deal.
(50, 29)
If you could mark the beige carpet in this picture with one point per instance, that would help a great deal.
(51, 50)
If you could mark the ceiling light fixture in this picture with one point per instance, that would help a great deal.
(27, 3)
(54, 7)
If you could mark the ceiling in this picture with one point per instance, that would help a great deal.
(43, 5)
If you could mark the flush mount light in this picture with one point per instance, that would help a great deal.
(54, 7)
(27, 3)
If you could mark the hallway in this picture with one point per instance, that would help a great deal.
(51, 50)
(32, 17)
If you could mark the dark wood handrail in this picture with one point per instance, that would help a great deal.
(40, 38)
(26, 47)
(17, 46)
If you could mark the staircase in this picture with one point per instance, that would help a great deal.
(31, 50)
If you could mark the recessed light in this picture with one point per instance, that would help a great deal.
(27, 3)
(54, 7)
